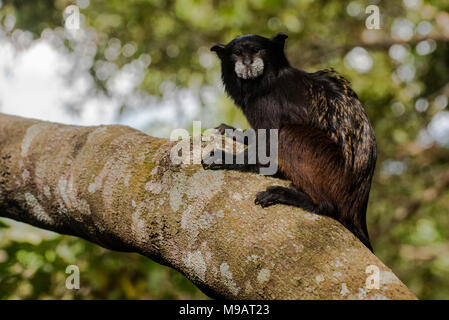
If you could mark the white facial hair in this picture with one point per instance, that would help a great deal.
(249, 72)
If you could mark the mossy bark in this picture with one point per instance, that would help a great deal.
(116, 186)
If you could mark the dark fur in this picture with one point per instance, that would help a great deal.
(327, 146)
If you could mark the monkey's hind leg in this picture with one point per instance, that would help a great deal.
(290, 196)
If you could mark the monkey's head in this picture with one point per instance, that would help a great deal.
(248, 56)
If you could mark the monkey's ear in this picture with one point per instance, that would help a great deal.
(217, 48)
(279, 38)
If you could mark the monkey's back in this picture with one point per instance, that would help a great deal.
(336, 109)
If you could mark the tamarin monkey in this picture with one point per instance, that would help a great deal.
(326, 144)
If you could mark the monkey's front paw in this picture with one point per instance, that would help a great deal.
(222, 127)
(209, 162)
(213, 166)
(266, 199)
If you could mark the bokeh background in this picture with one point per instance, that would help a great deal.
(147, 64)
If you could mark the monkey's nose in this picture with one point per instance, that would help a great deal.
(247, 60)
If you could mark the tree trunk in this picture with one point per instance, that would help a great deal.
(116, 186)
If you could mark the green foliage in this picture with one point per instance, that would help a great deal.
(34, 268)
(408, 211)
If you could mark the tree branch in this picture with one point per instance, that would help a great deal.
(117, 187)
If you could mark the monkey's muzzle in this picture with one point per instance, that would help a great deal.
(249, 70)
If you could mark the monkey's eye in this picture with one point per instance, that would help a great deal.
(237, 52)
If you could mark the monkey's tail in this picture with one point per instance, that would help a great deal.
(356, 219)
(363, 237)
